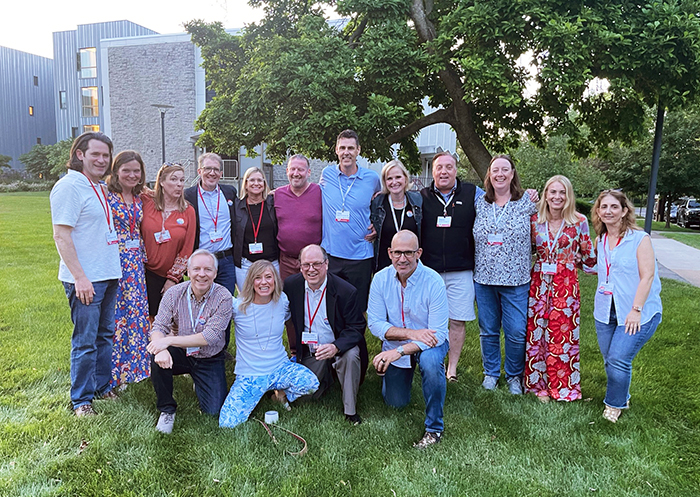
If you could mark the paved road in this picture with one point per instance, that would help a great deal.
(676, 260)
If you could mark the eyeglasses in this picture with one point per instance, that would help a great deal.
(396, 254)
(207, 170)
(312, 265)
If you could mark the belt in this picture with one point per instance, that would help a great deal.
(223, 253)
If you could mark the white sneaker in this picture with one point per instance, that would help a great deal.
(515, 385)
(166, 422)
(490, 382)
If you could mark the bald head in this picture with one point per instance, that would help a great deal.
(313, 262)
(405, 237)
(404, 254)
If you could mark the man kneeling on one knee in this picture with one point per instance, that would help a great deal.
(329, 327)
(188, 337)
(408, 312)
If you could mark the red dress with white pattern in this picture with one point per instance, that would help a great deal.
(552, 364)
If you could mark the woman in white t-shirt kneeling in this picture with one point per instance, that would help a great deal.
(259, 314)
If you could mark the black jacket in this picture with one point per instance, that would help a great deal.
(449, 249)
(345, 317)
(240, 209)
(229, 192)
(378, 214)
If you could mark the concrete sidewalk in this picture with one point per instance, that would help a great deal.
(676, 260)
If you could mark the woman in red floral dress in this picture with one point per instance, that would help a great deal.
(563, 242)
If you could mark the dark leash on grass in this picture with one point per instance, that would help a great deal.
(269, 432)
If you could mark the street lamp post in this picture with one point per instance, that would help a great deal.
(163, 109)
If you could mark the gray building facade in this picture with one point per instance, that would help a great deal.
(78, 87)
(26, 103)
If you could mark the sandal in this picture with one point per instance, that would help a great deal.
(612, 413)
(452, 378)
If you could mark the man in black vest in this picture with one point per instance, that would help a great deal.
(213, 204)
(448, 245)
(329, 326)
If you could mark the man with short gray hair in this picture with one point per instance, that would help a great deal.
(188, 337)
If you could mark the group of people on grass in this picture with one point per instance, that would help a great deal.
(315, 259)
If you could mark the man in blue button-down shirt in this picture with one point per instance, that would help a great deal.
(408, 313)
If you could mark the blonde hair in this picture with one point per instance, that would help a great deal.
(256, 269)
(569, 213)
(628, 221)
(158, 195)
(390, 165)
(249, 172)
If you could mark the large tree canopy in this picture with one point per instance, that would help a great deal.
(495, 71)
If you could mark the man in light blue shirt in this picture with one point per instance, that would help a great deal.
(408, 313)
(347, 192)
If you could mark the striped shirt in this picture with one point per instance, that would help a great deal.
(174, 316)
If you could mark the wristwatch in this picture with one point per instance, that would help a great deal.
(399, 349)
(636, 308)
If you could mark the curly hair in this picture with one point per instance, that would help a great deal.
(629, 219)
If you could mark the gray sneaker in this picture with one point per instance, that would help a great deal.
(490, 382)
(166, 422)
(515, 385)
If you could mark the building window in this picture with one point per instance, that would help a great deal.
(90, 102)
(38, 141)
(31, 110)
(87, 63)
(62, 99)
(36, 80)
(74, 133)
(91, 127)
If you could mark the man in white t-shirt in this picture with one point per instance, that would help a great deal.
(86, 240)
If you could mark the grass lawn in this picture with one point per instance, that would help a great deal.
(661, 226)
(692, 239)
(494, 444)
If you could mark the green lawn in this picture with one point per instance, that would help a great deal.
(494, 444)
(692, 239)
(661, 226)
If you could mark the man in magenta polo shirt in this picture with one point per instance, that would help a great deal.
(299, 214)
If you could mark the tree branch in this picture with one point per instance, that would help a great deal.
(439, 116)
(358, 32)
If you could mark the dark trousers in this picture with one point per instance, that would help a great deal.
(154, 290)
(357, 273)
(208, 375)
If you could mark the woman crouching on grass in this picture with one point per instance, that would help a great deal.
(627, 301)
(259, 314)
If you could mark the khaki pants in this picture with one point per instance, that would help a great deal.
(349, 371)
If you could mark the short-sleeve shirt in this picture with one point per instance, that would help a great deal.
(75, 203)
(354, 194)
(299, 219)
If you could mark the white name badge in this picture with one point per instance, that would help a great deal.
(606, 288)
(495, 239)
(216, 236)
(342, 216)
(444, 221)
(255, 248)
(549, 267)
(132, 244)
(162, 236)
(192, 351)
(307, 338)
(111, 237)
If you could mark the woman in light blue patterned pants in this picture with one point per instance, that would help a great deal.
(261, 360)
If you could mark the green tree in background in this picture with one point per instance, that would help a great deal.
(47, 161)
(5, 161)
(495, 71)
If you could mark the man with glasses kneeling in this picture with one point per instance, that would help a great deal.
(408, 313)
(330, 327)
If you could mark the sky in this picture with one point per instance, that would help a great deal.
(28, 25)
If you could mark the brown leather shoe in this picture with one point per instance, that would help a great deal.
(430, 438)
(84, 411)
(111, 395)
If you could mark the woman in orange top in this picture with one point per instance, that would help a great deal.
(169, 228)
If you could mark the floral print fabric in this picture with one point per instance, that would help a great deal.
(552, 363)
(130, 360)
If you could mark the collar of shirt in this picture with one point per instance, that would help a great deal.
(444, 196)
(357, 174)
(193, 298)
(320, 289)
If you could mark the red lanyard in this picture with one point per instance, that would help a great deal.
(256, 229)
(105, 206)
(308, 307)
(403, 319)
(605, 254)
(218, 202)
(132, 217)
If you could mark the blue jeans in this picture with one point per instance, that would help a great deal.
(502, 306)
(91, 343)
(396, 386)
(226, 277)
(208, 375)
(618, 349)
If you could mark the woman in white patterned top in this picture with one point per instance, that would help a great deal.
(502, 271)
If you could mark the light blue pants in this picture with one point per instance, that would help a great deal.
(296, 380)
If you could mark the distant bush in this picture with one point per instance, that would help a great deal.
(584, 207)
(26, 186)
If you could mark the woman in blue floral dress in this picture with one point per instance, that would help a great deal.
(130, 360)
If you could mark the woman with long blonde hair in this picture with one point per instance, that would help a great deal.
(562, 244)
(259, 314)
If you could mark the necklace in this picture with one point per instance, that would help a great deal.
(269, 331)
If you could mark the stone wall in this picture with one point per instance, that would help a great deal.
(142, 75)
